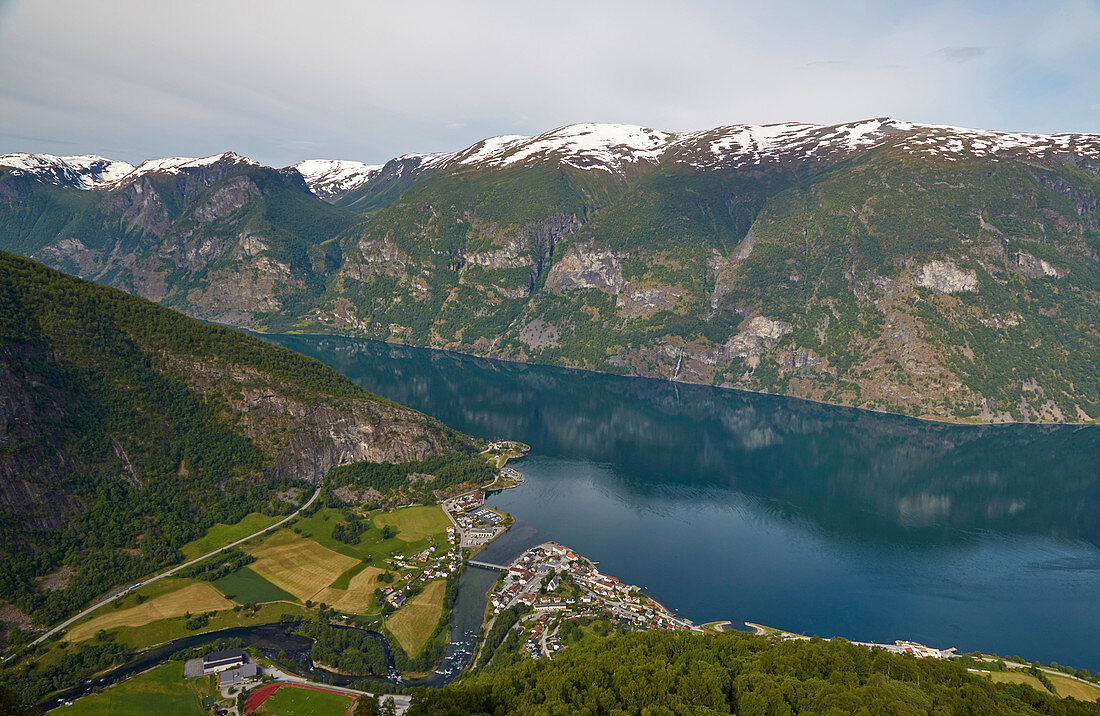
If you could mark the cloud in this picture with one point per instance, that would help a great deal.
(370, 81)
(962, 54)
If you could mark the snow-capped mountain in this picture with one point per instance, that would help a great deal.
(333, 177)
(616, 147)
(613, 148)
(85, 171)
(180, 165)
(95, 172)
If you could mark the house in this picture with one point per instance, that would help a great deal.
(222, 660)
(240, 675)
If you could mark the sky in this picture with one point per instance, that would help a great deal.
(284, 81)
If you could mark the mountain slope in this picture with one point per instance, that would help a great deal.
(934, 271)
(127, 429)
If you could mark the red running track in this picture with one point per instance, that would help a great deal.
(263, 693)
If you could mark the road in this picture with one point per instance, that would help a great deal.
(125, 590)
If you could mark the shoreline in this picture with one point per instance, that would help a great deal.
(936, 420)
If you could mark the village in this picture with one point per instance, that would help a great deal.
(472, 527)
(554, 581)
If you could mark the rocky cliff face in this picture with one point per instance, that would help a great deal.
(925, 270)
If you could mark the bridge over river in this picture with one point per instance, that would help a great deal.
(488, 565)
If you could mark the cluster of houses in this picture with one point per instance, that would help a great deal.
(534, 639)
(477, 525)
(427, 567)
(534, 579)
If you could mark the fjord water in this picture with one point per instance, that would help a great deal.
(822, 520)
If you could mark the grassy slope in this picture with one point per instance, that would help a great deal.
(160, 690)
(220, 535)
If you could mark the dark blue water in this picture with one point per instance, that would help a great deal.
(816, 519)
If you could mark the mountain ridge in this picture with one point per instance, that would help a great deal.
(939, 272)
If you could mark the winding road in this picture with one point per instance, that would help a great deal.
(168, 573)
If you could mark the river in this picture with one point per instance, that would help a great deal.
(817, 519)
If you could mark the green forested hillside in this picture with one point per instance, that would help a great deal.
(931, 271)
(127, 429)
(736, 673)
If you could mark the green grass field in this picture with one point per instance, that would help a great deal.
(292, 701)
(415, 523)
(162, 690)
(245, 586)
(220, 535)
(318, 527)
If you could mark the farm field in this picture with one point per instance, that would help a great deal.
(415, 523)
(164, 630)
(1016, 677)
(220, 535)
(357, 598)
(245, 586)
(194, 597)
(1066, 686)
(298, 565)
(296, 701)
(162, 690)
(413, 623)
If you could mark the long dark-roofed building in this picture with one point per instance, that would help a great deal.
(219, 660)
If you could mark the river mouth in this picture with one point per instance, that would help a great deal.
(818, 519)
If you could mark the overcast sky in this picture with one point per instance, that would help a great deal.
(285, 81)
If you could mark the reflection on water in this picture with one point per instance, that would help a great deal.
(729, 505)
(856, 473)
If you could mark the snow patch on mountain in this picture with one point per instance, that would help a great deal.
(176, 165)
(332, 177)
(84, 171)
(585, 146)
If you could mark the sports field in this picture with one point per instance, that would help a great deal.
(413, 623)
(1066, 686)
(220, 535)
(415, 523)
(195, 597)
(300, 566)
(298, 701)
(162, 690)
(357, 598)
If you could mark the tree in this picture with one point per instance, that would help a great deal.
(367, 706)
(388, 707)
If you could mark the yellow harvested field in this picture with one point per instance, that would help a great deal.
(413, 623)
(357, 598)
(1016, 677)
(298, 565)
(413, 523)
(1066, 687)
(196, 598)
